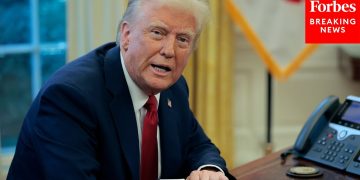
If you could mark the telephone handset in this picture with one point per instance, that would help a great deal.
(331, 135)
(315, 122)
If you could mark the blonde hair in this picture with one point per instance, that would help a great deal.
(199, 8)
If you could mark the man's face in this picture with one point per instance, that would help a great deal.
(156, 46)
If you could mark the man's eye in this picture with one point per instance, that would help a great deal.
(183, 42)
(156, 34)
(182, 39)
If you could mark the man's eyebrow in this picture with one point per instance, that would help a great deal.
(188, 32)
(158, 24)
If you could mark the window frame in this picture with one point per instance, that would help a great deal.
(34, 48)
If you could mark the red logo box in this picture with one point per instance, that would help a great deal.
(332, 21)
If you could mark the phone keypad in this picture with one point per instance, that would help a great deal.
(328, 149)
(343, 159)
(333, 150)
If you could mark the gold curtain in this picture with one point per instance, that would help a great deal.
(91, 23)
(210, 79)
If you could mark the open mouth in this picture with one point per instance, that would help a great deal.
(161, 68)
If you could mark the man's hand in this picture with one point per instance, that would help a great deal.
(207, 175)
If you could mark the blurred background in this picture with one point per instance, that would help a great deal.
(234, 91)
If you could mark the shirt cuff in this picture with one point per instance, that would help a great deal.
(211, 165)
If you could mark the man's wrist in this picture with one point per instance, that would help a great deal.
(210, 167)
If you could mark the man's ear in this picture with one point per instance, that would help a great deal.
(125, 32)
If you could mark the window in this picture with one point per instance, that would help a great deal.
(32, 47)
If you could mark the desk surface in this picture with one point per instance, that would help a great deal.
(271, 167)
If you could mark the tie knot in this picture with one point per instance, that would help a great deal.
(151, 104)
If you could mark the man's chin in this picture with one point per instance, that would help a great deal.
(160, 86)
(158, 89)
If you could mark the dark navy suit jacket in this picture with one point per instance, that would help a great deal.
(82, 126)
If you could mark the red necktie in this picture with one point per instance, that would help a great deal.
(149, 152)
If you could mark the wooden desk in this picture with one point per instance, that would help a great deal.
(270, 167)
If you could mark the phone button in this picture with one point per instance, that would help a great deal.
(356, 165)
(342, 134)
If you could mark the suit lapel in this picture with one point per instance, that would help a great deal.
(122, 110)
(169, 135)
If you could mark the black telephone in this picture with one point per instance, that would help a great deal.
(331, 135)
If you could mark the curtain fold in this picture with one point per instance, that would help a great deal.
(210, 79)
(91, 23)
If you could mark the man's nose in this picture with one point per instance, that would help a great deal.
(168, 48)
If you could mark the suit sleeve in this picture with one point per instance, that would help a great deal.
(64, 134)
(199, 148)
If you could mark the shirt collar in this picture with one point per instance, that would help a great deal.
(138, 96)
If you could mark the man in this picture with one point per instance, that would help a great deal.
(121, 111)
